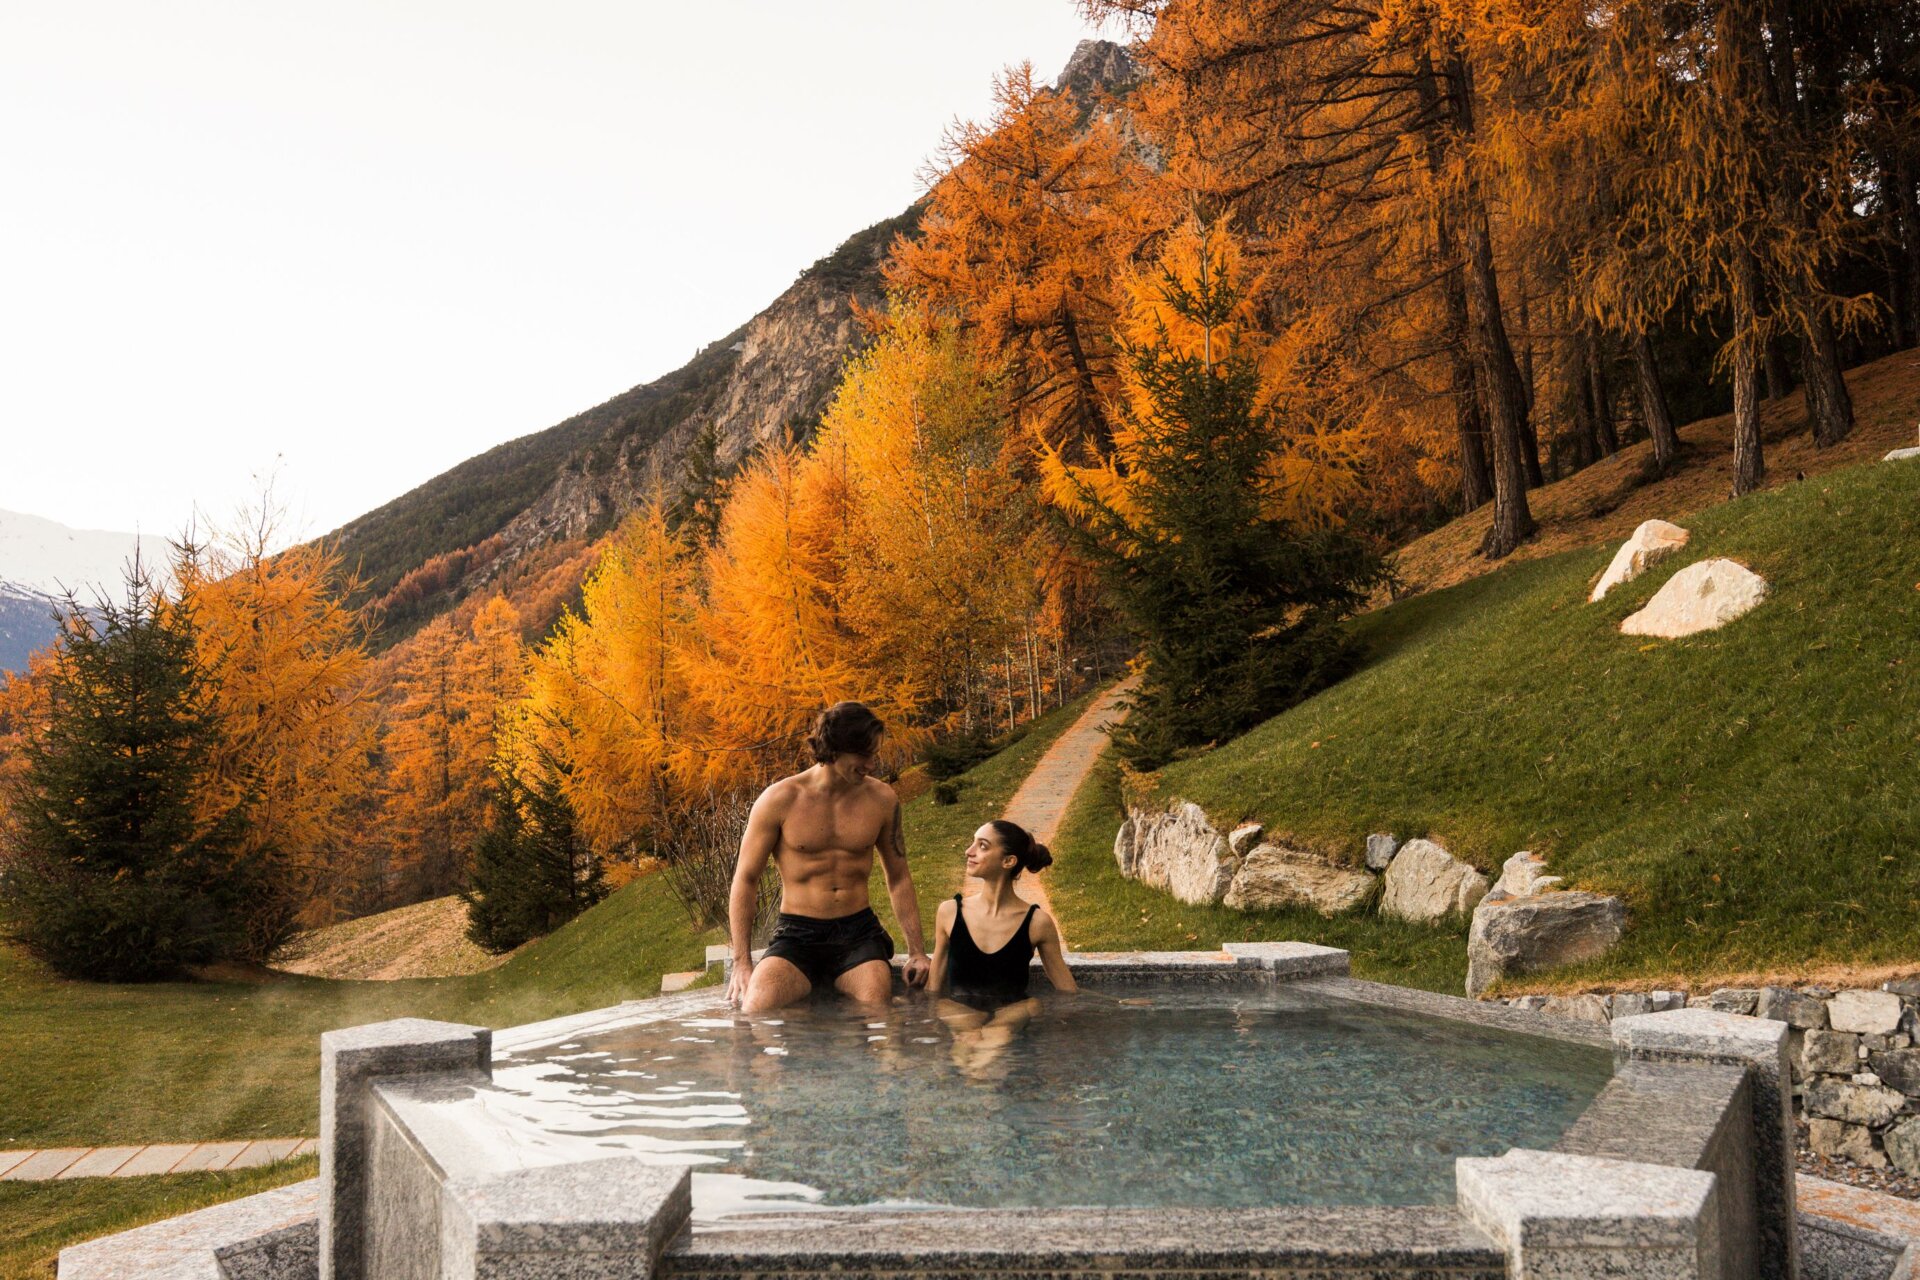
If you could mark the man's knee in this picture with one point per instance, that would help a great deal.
(869, 983)
(775, 984)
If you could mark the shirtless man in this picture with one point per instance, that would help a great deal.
(821, 829)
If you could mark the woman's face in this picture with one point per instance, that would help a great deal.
(986, 856)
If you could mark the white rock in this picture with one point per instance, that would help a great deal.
(1242, 839)
(1272, 876)
(1699, 598)
(1901, 455)
(1176, 850)
(1653, 540)
(1874, 1013)
(1524, 874)
(1427, 883)
(1380, 850)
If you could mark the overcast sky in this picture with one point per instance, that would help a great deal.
(355, 242)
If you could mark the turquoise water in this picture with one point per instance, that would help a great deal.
(1193, 1098)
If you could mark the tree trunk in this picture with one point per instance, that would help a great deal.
(1586, 441)
(1828, 403)
(1506, 397)
(1907, 252)
(1653, 403)
(1599, 396)
(1749, 466)
(1779, 376)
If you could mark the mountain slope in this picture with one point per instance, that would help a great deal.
(41, 559)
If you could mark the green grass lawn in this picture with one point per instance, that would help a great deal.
(1753, 792)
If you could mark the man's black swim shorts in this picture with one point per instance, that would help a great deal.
(825, 949)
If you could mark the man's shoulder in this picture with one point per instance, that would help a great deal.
(881, 792)
(783, 791)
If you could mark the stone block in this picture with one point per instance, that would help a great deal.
(1581, 1008)
(1898, 1068)
(1665, 1000)
(1838, 1140)
(1869, 1012)
(1831, 1052)
(1627, 1004)
(1532, 1004)
(1243, 839)
(1778, 1004)
(350, 1060)
(1869, 1104)
(100, 1162)
(45, 1164)
(1743, 1000)
(1705, 1035)
(1380, 851)
(1291, 959)
(1907, 989)
(616, 1214)
(1562, 1217)
(1903, 1146)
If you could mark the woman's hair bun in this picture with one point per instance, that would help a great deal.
(1039, 857)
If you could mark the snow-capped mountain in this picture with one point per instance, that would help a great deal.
(40, 560)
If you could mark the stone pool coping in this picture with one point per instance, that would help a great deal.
(1698, 1095)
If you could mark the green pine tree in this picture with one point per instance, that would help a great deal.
(113, 873)
(1238, 612)
(533, 869)
(702, 492)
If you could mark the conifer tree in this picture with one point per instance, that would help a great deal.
(1235, 593)
(533, 869)
(113, 872)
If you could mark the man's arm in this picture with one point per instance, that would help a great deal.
(757, 845)
(906, 904)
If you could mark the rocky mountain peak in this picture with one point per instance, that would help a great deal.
(1099, 66)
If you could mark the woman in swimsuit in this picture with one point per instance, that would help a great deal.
(983, 947)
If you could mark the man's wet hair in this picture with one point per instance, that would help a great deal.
(845, 729)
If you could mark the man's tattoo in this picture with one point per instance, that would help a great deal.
(899, 832)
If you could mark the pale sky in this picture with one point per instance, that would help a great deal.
(352, 243)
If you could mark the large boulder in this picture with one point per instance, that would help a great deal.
(1176, 850)
(1699, 598)
(1273, 876)
(1902, 455)
(1525, 935)
(1653, 540)
(1425, 883)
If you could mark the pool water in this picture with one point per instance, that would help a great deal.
(1188, 1098)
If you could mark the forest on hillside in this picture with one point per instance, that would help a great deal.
(1166, 375)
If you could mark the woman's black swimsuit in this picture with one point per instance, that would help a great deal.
(983, 979)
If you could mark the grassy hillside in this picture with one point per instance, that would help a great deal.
(1753, 792)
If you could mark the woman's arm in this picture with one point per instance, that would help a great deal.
(942, 930)
(1053, 956)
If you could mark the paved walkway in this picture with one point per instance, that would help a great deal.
(1042, 800)
(128, 1162)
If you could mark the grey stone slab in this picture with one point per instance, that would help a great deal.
(161, 1157)
(188, 1247)
(1560, 1216)
(1291, 959)
(45, 1164)
(350, 1060)
(1480, 1013)
(1331, 1242)
(8, 1159)
(601, 1217)
(209, 1156)
(100, 1162)
(1761, 1046)
(403, 1218)
(264, 1152)
(1850, 1233)
(287, 1253)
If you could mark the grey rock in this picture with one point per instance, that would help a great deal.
(1380, 851)
(1876, 1044)
(1426, 883)
(1905, 988)
(1243, 838)
(1871, 1105)
(1177, 851)
(1525, 874)
(1585, 1008)
(1568, 1216)
(1512, 936)
(1778, 1004)
(1532, 1004)
(1625, 1004)
(1273, 876)
(1831, 1052)
(1899, 1068)
(1838, 1140)
(1872, 1012)
(1733, 1000)
(1665, 1000)
(1903, 1146)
